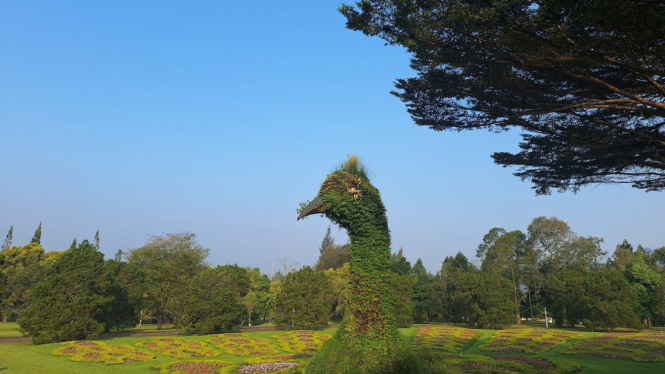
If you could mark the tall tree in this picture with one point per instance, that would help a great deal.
(398, 263)
(582, 80)
(506, 253)
(168, 262)
(304, 300)
(8, 238)
(96, 240)
(72, 299)
(333, 257)
(214, 301)
(23, 268)
(644, 281)
(37, 238)
(423, 306)
(327, 241)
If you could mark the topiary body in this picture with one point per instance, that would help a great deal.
(368, 340)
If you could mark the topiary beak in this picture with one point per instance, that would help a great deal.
(315, 206)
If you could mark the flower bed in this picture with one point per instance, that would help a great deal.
(243, 345)
(272, 367)
(531, 341)
(301, 341)
(445, 338)
(196, 367)
(177, 348)
(510, 364)
(89, 351)
(633, 347)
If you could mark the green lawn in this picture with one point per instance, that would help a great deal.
(27, 358)
(9, 330)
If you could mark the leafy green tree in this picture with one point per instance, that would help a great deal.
(403, 288)
(304, 300)
(258, 297)
(127, 292)
(72, 300)
(339, 279)
(423, 306)
(37, 238)
(506, 252)
(214, 302)
(644, 281)
(168, 261)
(8, 238)
(566, 295)
(492, 305)
(582, 80)
(333, 257)
(458, 277)
(23, 267)
(398, 263)
(609, 301)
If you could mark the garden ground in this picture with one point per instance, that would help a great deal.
(476, 345)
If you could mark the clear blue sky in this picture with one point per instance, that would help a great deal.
(139, 118)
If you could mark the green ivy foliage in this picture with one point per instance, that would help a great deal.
(368, 340)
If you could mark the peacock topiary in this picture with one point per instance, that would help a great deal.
(368, 340)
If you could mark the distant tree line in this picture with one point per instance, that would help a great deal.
(517, 276)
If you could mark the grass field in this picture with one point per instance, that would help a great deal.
(27, 358)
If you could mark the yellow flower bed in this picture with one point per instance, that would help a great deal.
(89, 351)
(445, 338)
(632, 347)
(301, 341)
(243, 345)
(177, 348)
(528, 340)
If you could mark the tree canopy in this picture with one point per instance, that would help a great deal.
(582, 80)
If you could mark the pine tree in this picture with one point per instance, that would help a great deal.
(73, 244)
(327, 241)
(8, 238)
(37, 238)
(96, 241)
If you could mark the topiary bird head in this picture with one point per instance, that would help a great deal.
(348, 198)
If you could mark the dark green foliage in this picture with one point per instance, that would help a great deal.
(644, 281)
(213, 302)
(492, 299)
(327, 240)
(73, 299)
(609, 302)
(96, 240)
(402, 286)
(581, 79)
(333, 257)
(458, 278)
(398, 263)
(423, 306)
(37, 238)
(127, 292)
(368, 340)
(168, 261)
(8, 239)
(23, 268)
(305, 300)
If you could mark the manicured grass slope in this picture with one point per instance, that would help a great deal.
(27, 358)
